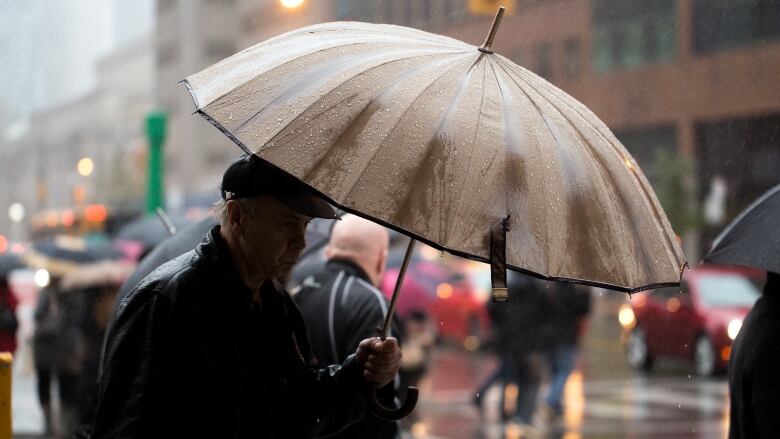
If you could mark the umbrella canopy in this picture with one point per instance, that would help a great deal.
(149, 229)
(8, 263)
(441, 140)
(62, 254)
(752, 239)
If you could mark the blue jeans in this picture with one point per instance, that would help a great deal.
(562, 360)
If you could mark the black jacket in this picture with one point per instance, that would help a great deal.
(341, 308)
(522, 325)
(754, 378)
(190, 355)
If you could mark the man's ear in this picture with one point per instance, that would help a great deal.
(234, 213)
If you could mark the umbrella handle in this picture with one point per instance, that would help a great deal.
(391, 414)
(394, 414)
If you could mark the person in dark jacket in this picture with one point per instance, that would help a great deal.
(210, 345)
(754, 381)
(570, 307)
(342, 306)
(522, 334)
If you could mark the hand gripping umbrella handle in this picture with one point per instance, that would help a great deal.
(393, 414)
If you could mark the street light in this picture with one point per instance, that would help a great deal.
(85, 166)
(16, 212)
(291, 4)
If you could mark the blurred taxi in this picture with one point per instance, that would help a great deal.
(698, 322)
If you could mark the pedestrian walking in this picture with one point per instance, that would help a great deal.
(8, 321)
(211, 345)
(522, 336)
(570, 307)
(754, 384)
(341, 306)
(59, 350)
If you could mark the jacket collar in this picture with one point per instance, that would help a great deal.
(348, 266)
(214, 249)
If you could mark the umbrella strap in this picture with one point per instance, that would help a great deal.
(498, 259)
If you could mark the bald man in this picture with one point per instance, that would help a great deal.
(341, 305)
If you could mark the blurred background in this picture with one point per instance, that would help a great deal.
(96, 134)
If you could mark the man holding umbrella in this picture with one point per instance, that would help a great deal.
(210, 345)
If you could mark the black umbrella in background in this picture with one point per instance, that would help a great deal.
(61, 254)
(150, 230)
(8, 263)
(753, 238)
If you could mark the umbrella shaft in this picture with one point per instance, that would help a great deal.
(397, 290)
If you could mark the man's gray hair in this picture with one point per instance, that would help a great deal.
(220, 208)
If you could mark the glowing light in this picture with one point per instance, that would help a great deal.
(725, 353)
(444, 291)
(733, 328)
(52, 219)
(41, 278)
(626, 317)
(419, 430)
(79, 193)
(471, 343)
(673, 304)
(17, 248)
(3, 243)
(95, 213)
(639, 300)
(291, 4)
(16, 212)
(85, 166)
(574, 395)
(67, 218)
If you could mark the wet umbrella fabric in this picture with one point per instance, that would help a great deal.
(752, 239)
(62, 253)
(149, 230)
(183, 241)
(441, 140)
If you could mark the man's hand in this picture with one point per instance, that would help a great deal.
(380, 359)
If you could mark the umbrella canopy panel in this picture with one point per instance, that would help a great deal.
(428, 135)
(752, 239)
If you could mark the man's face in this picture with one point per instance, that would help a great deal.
(273, 237)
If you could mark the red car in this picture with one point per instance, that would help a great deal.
(698, 323)
(446, 295)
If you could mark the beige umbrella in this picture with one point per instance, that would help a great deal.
(440, 140)
(444, 140)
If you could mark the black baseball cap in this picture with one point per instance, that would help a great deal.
(250, 176)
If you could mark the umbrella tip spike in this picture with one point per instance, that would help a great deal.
(485, 47)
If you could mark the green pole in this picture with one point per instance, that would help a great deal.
(155, 133)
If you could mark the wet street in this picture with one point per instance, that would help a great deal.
(604, 397)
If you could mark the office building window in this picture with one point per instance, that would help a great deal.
(571, 58)
(630, 33)
(544, 64)
(726, 24)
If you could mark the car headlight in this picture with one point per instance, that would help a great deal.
(733, 328)
(626, 317)
(42, 278)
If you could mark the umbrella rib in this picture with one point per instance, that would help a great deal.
(639, 182)
(313, 104)
(456, 97)
(294, 86)
(605, 171)
(508, 186)
(395, 125)
(473, 147)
